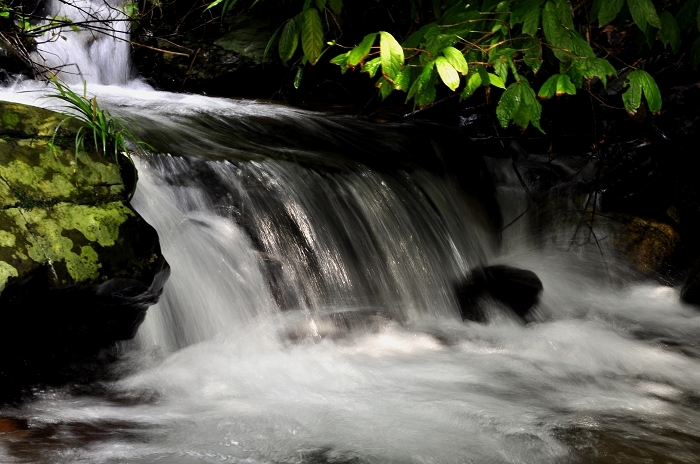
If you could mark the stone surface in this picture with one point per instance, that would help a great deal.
(519, 289)
(78, 266)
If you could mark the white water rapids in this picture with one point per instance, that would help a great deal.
(219, 373)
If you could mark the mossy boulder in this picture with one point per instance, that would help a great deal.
(78, 266)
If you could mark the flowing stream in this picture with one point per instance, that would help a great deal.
(310, 316)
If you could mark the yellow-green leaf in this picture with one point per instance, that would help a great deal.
(473, 83)
(456, 59)
(391, 54)
(359, 53)
(371, 66)
(496, 81)
(447, 73)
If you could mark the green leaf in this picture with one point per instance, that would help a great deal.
(289, 40)
(565, 14)
(580, 47)
(485, 76)
(558, 84)
(403, 80)
(385, 87)
(501, 60)
(426, 94)
(496, 81)
(372, 66)
(298, 76)
(608, 10)
(533, 54)
(270, 42)
(456, 59)
(437, 8)
(359, 53)
(336, 6)
(321, 5)
(415, 39)
(555, 33)
(391, 54)
(311, 35)
(423, 80)
(473, 83)
(342, 61)
(695, 54)
(643, 13)
(670, 33)
(447, 73)
(519, 104)
(687, 15)
(527, 12)
(641, 81)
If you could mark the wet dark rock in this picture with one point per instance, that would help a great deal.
(519, 289)
(78, 266)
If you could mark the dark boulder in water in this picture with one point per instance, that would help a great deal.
(519, 289)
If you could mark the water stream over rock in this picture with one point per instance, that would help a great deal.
(311, 317)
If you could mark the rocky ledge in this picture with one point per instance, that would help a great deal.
(78, 266)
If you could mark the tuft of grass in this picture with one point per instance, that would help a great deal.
(110, 135)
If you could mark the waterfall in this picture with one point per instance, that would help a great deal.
(97, 51)
(310, 315)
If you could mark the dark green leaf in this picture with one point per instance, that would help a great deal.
(670, 33)
(608, 10)
(688, 14)
(549, 88)
(336, 6)
(359, 53)
(643, 13)
(555, 33)
(270, 42)
(437, 8)
(528, 13)
(321, 5)
(372, 66)
(641, 81)
(519, 104)
(533, 54)
(289, 40)
(565, 14)
(298, 76)
(473, 83)
(485, 79)
(424, 79)
(695, 54)
(311, 35)
(456, 59)
(426, 94)
(580, 47)
(415, 39)
(391, 55)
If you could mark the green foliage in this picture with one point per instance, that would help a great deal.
(519, 104)
(641, 82)
(496, 44)
(110, 135)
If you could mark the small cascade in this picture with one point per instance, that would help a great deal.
(273, 235)
(97, 52)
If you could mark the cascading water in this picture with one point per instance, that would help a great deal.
(310, 316)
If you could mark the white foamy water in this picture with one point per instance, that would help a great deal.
(310, 316)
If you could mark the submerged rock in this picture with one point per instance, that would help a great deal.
(78, 266)
(519, 289)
